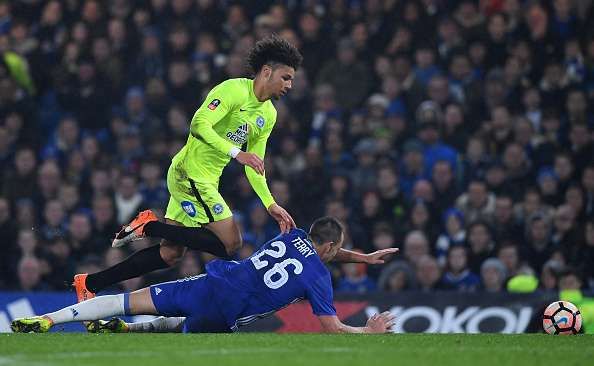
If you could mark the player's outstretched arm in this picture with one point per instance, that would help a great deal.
(284, 219)
(378, 323)
(377, 257)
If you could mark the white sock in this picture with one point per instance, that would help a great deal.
(158, 325)
(93, 309)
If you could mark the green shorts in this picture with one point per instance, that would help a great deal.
(194, 203)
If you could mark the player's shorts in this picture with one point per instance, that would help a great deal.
(194, 203)
(191, 297)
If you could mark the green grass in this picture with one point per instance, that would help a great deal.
(296, 349)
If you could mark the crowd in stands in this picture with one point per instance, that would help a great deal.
(459, 131)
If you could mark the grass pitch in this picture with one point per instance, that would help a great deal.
(295, 349)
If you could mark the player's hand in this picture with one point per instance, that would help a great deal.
(285, 221)
(379, 256)
(252, 160)
(381, 323)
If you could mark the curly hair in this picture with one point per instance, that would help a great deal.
(273, 50)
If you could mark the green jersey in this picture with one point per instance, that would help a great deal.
(230, 116)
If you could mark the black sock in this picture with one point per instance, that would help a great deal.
(198, 238)
(143, 261)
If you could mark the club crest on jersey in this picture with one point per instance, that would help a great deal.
(218, 209)
(214, 104)
(260, 121)
(189, 208)
(240, 135)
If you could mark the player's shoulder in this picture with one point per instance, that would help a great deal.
(237, 88)
(297, 232)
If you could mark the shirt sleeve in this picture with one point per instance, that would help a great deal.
(320, 296)
(220, 101)
(257, 181)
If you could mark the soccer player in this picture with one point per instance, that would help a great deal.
(231, 294)
(235, 112)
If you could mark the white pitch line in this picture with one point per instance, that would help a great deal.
(222, 351)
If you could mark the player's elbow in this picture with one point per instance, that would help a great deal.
(195, 130)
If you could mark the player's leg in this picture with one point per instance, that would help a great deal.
(141, 262)
(221, 238)
(158, 325)
(207, 221)
(228, 231)
(138, 302)
(161, 324)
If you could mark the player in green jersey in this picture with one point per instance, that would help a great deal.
(235, 112)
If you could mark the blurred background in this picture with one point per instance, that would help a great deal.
(459, 131)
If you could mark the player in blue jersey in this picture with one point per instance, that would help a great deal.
(231, 294)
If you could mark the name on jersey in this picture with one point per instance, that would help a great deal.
(240, 135)
(302, 247)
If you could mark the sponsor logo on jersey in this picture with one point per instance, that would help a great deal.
(260, 121)
(214, 104)
(157, 291)
(240, 135)
(218, 209)
(74, 312)
(189, 208)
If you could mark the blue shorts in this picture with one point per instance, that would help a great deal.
(191, 297)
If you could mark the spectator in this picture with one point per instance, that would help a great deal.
(415, 246)
(388, 186)
(355, 279)
(61, 263)
(493, 275)
(480, 242)
(364, 175)
(444, 184)
(549, 275)
(539, 246)
(290, 161)
(428, 274)
(397, 276)
(454, 234)
(419, 218)
(54, 218)
(152, 186)
(504, 223)
(22, 183)
(412, 165)
(477, 203)
(509, 254)
(347, 75)
(29, 274)
(128, 200)
(457, 275)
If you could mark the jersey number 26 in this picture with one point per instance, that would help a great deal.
(276, 276)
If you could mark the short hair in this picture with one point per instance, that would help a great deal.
(273, 50)
(326, 229)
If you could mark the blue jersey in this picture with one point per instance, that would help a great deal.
(284, 270)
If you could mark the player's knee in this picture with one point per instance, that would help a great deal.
(172, 254)
(233, 246)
